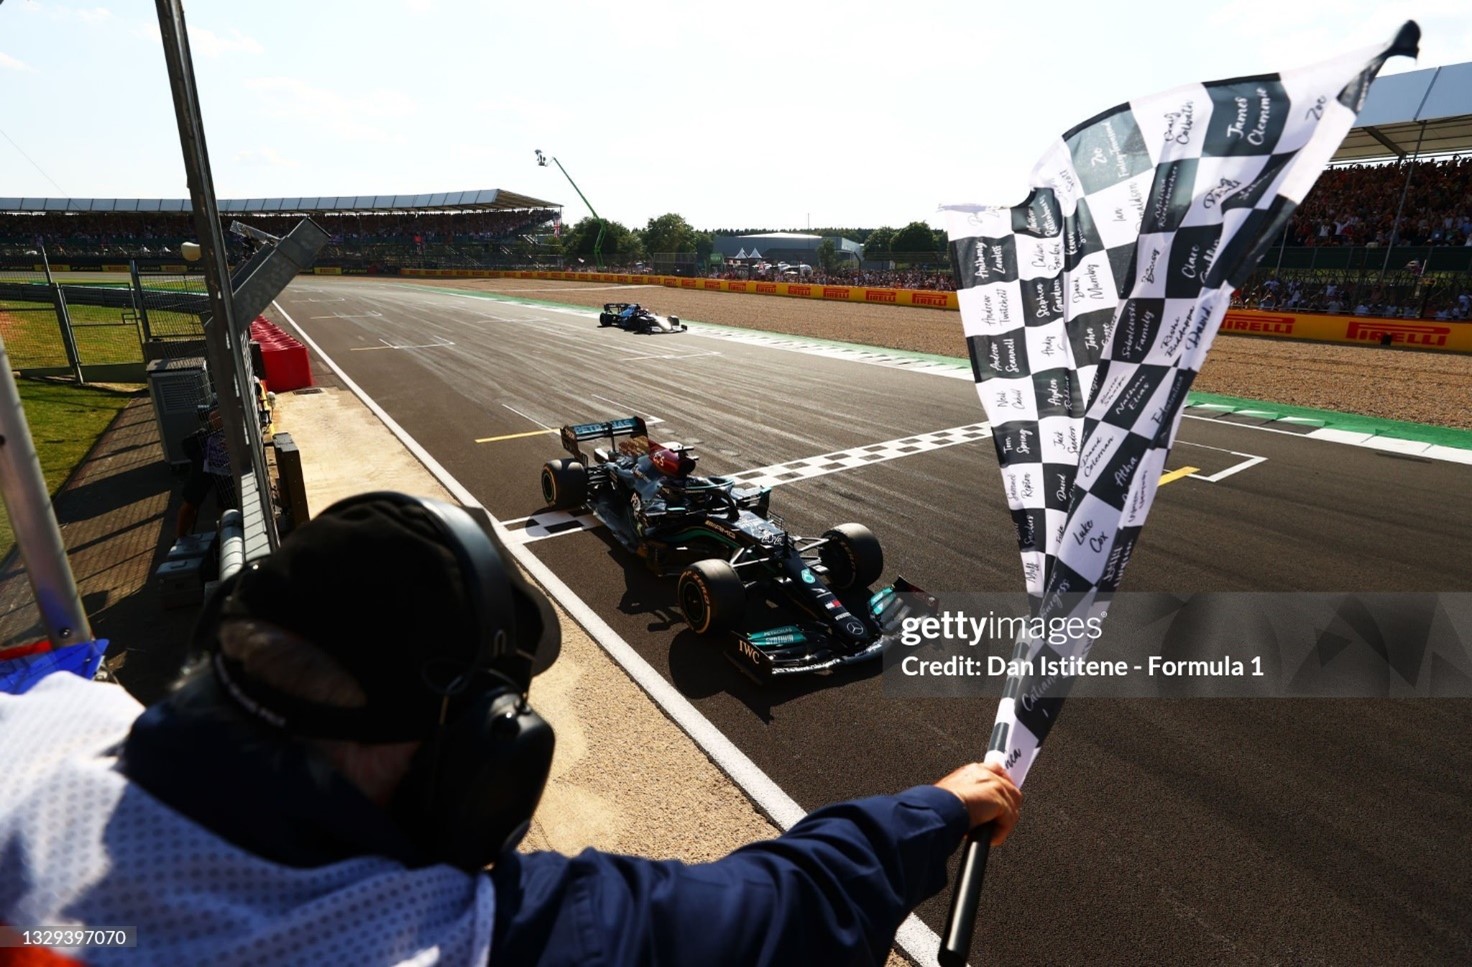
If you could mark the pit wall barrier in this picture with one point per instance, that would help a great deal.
(923, 298)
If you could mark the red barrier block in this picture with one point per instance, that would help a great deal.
(283, 358)
(287, 367)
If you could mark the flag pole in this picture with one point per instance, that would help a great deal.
(955, 944)
(37, 533)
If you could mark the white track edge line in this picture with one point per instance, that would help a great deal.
(914, 936)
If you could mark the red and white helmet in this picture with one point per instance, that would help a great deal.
(673, 459)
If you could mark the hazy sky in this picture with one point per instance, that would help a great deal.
(736, 115)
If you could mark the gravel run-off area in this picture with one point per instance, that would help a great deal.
(1419, 386)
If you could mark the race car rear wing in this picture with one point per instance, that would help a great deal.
(628, 432)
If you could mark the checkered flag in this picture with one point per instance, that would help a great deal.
(1089, 308)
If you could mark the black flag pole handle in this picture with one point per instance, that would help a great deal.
(955, 946)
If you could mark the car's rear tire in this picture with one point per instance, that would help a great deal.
(564, 483)
(711, 596)
(852, 556)
(604, 319)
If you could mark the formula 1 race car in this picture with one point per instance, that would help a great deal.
(721, 538)
(636, 318)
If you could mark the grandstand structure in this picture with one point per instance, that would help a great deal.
(1387, 231)
(1418, 114)
(368, 232)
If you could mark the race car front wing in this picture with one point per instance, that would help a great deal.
(808, 647)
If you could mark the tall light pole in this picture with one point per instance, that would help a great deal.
(597, 242)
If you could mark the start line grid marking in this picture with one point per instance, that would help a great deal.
(954, 369)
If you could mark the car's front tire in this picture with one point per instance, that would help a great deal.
(564, 483)
(852, 556)
(711, 596)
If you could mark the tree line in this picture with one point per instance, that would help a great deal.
(671, 234)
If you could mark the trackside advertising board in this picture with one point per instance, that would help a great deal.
(1445, 335)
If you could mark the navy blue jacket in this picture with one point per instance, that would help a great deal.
(832, 890)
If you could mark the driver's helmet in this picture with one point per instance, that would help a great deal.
(674, 459)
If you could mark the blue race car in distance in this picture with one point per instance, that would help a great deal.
(636, 318)
(720, 537)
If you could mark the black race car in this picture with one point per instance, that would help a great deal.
(720, 537)
(636, 318)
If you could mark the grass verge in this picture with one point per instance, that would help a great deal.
(65, 421)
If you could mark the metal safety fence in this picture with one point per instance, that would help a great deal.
(146, 330)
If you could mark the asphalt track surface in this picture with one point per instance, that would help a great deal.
(1182, 831)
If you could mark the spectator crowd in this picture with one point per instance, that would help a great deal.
(929, 277)
(133, 234)
(1356, 205)
(1351, 205)
(1404, 294)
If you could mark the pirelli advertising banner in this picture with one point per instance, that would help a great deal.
(1360, 330)
(813, 290)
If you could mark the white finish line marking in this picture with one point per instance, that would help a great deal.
(1248, 460)
(525, 417)
(356, 315)
(441, 344)
(549, 523)
(781, 473)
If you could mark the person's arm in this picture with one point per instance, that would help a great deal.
(832, 890)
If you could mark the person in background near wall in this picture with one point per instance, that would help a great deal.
(209, 473)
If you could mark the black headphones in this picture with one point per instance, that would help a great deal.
(472, 787)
